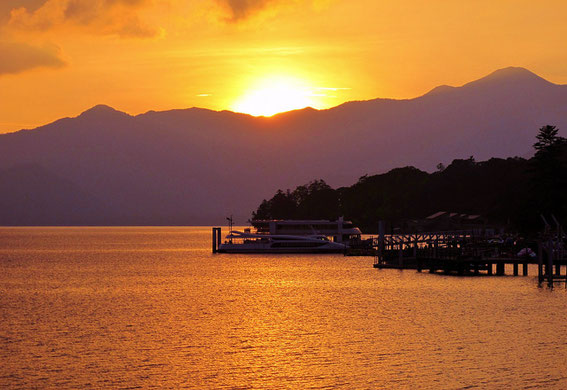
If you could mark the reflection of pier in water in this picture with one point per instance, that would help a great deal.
(469, 252)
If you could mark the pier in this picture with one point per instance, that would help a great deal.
(471, 252)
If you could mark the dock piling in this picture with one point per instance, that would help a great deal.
(500, 267)
(549, 268)
(216, 239)
(525, 269)
(540, 274)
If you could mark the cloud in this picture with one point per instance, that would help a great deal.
(102, 17)
(18, 57)
(8, 5)
(242, 9)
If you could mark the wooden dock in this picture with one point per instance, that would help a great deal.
(468, 253)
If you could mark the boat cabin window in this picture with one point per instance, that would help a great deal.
(298, 244)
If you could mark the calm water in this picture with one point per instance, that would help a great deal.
(153, 308)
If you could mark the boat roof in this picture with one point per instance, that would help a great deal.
(296, 221)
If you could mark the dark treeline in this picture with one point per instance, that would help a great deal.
(512, 191)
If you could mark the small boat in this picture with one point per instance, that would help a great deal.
(245, 242)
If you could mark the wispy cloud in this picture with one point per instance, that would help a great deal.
(19, 57)
(105, 17)
(241, 9)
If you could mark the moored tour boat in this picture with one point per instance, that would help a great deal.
(291, 236)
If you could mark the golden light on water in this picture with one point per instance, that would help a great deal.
(273, 94)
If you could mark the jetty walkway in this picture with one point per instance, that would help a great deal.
(469, 253)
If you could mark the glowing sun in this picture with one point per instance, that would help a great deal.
(272, 95)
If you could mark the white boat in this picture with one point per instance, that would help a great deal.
(243, 242)
(340, 231)
(291, 236)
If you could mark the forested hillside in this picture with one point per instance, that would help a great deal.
(512, 191)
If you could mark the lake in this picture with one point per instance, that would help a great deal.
(147, 307)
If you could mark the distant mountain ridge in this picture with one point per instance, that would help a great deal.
(194, 166)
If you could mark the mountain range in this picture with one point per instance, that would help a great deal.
(196, 166)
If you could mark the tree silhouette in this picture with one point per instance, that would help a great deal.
(549, 173)
(547, 138)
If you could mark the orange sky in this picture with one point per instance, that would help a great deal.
(60, 57)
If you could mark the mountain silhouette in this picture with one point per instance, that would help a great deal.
(195, 166)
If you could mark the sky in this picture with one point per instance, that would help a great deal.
(61, 57)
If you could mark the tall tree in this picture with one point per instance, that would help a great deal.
(547, 138)
(549, 173)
